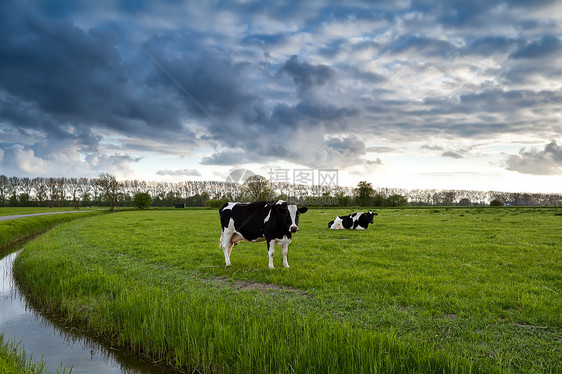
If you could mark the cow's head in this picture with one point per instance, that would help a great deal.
(371, 214)
(291, 213)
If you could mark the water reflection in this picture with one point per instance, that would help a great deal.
(43, 336)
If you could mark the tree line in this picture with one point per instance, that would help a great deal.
(105, 190)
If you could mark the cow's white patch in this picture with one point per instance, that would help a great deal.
(284, 241)
(337, 225)
(293, 210)
(267, 218)
(230, 206)
(279, 202)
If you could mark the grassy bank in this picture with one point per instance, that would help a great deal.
(9, 211)
(423, 290)
(12, 357)
(12, 231)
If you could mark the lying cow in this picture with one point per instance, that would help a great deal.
(259, 221)
(355, 221)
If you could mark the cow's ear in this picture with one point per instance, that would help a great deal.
(303, 209)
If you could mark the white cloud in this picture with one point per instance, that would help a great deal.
(18, 157)
(180, 172)
(537, 162)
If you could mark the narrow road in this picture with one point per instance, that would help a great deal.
(6, 218)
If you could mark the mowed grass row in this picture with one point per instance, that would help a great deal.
(423, 290)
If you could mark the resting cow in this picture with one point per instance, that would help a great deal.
(355, 221)
(259, 221)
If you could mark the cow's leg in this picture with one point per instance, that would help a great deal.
(226, 250)
(285, 250)
(271, 252)
(226, 247)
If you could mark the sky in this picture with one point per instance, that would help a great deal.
(405, 94)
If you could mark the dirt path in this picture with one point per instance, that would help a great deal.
(6, 218)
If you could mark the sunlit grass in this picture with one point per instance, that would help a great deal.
(423, 290)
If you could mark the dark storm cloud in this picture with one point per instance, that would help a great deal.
(211, 83)
(538, 162)
(546, 46)
(260, 81)
(57, 76)
(491, 45)
(306, 76)
(227, 158)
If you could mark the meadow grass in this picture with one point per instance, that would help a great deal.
(423, 290)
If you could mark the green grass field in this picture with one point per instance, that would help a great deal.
(423, 290)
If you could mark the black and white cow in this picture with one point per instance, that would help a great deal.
(259, 221)
(356, 221)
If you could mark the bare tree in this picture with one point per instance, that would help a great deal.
(40, 187)
(110, 188)
(74, 188)
(257, 188)
(3, 188)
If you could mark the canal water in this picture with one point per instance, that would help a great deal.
(57, 345)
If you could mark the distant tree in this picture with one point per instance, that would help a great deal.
(24, 199)
(75, 189)
(3, 188)
(198, 199)
(257, 188)
(142, 200)
(396, 200)
(216, 203)
(204, 198)
(110, 188)
(342, 199)
(496, 202)
(364, 194)
(378, 200)
(465, 202)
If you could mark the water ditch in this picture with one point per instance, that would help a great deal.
(43, 337)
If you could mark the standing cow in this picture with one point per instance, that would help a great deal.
(259, 221)
(355, 221)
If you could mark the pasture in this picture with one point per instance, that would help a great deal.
(423, 290)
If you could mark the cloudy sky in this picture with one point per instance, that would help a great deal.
(412, 94)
